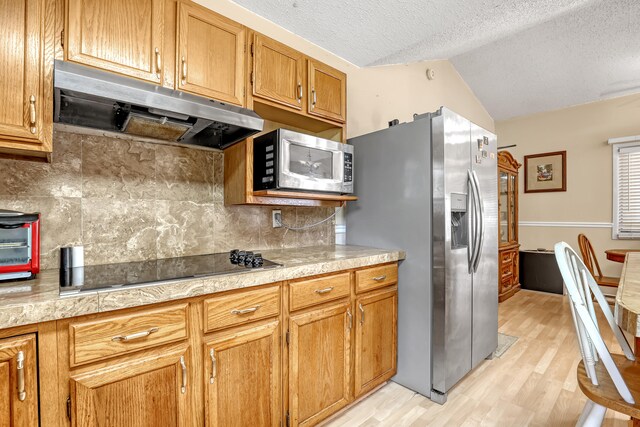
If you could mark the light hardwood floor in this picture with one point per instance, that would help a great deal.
(532, 384)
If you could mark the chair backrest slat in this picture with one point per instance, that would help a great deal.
(589, 256)
(582, 288)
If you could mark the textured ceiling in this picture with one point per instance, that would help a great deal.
(518, 56)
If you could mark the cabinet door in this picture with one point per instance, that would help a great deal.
(18, 382)
(277, 72)
(211, 54)
(319, 363)
(147, 391)
(327, 91)
(242, 374)
(21, 71)
(376, 339)
(124, 36)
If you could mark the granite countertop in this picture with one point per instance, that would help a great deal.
(628, 296)
(38, 300)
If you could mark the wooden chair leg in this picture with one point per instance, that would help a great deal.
(592, 415)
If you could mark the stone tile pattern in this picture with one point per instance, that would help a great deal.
(41, 302)
(128, 200)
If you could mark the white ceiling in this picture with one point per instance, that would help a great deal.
(519, 57)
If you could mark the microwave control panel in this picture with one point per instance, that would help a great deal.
(348, 167)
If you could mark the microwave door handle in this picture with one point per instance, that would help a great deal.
(11, 226)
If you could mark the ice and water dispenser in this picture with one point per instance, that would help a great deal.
(459, 222)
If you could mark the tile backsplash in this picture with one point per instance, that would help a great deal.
(128, 200)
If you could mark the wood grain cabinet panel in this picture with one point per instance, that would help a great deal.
(25, 77)
(368, 279)
(376, 339)
(211, 54)
(238, 308)
(319, 363)
(242, 376)
(149, 391)
(327, 89)
(277, 72)
(307, 293)
(123, 36)
(18, 382)
(112, 336)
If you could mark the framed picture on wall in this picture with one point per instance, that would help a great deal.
(545, 172)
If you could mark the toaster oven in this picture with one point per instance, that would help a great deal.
(19, 245)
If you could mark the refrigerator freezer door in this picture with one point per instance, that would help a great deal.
(452, 290)
(485, 278)
(393, 184)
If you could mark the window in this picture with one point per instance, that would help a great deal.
(626, 187)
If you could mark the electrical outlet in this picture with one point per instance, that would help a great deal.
(276, 218)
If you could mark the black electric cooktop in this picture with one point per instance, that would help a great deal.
(114, 276)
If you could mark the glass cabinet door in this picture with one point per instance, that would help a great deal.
(503, 203)
(513, 191)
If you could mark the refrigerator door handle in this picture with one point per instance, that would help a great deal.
(473, 219)
(480, 221)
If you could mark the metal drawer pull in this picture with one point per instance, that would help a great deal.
(20, 362)
(380, 278)
(184, 70)
(135, 336)
(245, 310)
(324, 291)
(361, 314)
(315, 98)
(32, 113)
(299, 92)
(350, 317)
(158, 63)
(214, 368)
(184, 375)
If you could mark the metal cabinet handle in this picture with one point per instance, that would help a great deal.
(158, 63)
(245, 310)
(184, 70)
(314, 97)
(214, 368)
(135, 336)
(350, 317)
(299, 92)
(324, 291)
(361, 314)
(20, 368)
(380, 278)
(32, 113)
(184, 375)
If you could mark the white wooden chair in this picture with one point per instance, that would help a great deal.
(599, 373)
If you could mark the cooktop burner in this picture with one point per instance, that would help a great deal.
(114, 276)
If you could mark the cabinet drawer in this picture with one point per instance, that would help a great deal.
(316, 291)
(236, 309)
(376, 277)
(100, 339)
(506, 258)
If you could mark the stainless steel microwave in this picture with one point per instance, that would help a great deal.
(287, 160)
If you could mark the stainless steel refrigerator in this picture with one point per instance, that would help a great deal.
(430, 187)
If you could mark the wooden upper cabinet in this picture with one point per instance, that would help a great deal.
(25, 77)
(277, 72)
(123, 36)
(242, 377)
(327, 91)
(147, 391)
(376, 339)
(18, 382)
(211, 54)
(319, 363)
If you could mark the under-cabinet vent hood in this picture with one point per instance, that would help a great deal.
(97, 99)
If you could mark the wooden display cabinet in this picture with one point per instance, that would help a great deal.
(508, 246)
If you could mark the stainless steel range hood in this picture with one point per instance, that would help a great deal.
(97, 99)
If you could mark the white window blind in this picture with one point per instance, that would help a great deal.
(626, 190)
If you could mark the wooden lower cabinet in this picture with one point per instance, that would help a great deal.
(376, 336)
(152, 389)
(242, 377)
(319, 363)
(18, 382)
